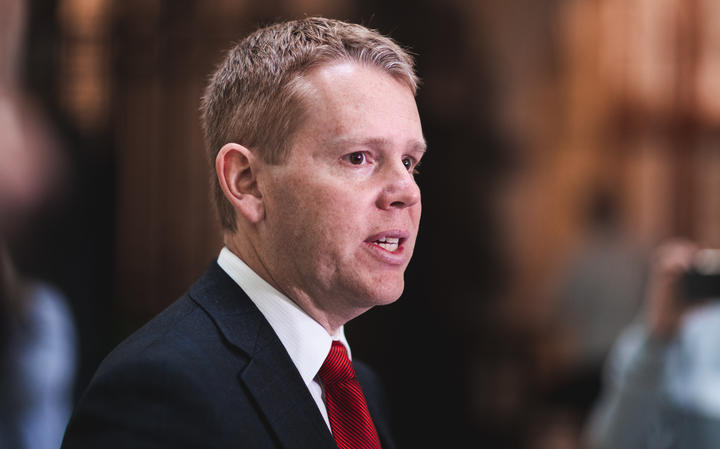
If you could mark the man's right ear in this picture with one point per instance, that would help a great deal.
(236, 169)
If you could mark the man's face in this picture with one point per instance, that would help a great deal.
(342, 212)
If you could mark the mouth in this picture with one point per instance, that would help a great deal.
(389, 241)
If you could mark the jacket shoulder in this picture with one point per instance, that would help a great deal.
(172, 383)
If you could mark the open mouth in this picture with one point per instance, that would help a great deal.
(388, 243)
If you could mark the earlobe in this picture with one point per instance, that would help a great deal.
(236, 169)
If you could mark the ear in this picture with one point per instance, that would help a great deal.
(236, 169)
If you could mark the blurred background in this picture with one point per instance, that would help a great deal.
(567, 138)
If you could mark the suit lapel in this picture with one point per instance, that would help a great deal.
(284, 398)
(269, 376)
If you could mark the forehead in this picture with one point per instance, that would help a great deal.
(352, 101)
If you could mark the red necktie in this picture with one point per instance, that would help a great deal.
(347, 410)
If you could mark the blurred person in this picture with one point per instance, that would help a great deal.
(314, 137)
(37, 331)
(37, 360)
(663, 376)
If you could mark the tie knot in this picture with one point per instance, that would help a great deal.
(337, 366)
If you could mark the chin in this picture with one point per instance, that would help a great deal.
(387, 295)
(370, 291)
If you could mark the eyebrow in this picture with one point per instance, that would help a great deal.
(417, 145)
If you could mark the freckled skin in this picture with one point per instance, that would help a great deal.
(321, 206)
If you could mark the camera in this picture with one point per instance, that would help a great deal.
(702, 281)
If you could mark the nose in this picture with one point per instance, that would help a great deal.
(399, 189)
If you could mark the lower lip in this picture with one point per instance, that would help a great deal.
(396, 257)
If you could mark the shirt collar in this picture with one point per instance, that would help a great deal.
(305, 340)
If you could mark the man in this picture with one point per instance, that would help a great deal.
(314, 134)
(664, 371)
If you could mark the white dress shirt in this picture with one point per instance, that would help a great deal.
(305, 340)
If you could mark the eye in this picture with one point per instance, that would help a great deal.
(410, 165)
(356, 158)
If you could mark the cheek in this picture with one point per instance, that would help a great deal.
(321, 214)
(329, 203)
(416, 212)
(313, 218)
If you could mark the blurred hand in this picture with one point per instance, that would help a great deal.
(664, 311)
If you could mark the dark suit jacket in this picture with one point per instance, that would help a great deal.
(208, 372)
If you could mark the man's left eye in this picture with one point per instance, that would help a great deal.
(357, 158)
(408, 163)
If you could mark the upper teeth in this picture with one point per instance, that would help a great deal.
(389, 243)
(389, 240)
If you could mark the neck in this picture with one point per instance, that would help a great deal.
(328, 318)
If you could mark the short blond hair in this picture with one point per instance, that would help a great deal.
(254, 99)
